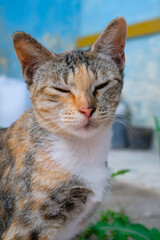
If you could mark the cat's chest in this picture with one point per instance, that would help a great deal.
(85, 160)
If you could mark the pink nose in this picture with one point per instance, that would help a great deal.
(88, 112)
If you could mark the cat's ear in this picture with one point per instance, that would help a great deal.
(111, 41)
(30, 54)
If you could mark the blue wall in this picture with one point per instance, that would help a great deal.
(95, 14)
(54, 23)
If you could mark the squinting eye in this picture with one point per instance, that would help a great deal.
(62, 90)
(100, 87)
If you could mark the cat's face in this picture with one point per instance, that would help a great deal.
(77, 92)
(74, 93)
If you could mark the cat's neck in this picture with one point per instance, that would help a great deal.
(84, 152)
(84, 158)
(79, 155)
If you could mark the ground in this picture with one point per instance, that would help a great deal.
(136, 193)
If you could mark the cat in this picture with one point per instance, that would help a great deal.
(52, 159)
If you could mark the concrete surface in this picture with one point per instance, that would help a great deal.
(136, 193)
(144, 166)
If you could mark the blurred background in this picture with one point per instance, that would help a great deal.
(71, 24)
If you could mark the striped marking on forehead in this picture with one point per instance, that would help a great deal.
(81, 77)
(78, 65)
(76, 57)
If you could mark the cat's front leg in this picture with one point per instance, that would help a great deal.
(17, 232)
(9, 235)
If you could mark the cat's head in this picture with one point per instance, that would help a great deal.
(75, 93)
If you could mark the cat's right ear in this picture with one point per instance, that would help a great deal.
(30, 54)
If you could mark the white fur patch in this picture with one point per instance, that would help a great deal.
(84, 158)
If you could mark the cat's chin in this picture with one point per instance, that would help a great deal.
(85, 131)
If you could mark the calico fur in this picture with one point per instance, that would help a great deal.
(52, 159)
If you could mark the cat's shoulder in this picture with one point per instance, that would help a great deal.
(2, 132)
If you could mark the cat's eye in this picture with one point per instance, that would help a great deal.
(100, 87)
(62, 90)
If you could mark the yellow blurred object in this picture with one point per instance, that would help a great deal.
(3, 62)
(134, 30)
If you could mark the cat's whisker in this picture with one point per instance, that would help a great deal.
(126, 125)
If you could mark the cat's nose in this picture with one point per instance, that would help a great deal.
(88, 112)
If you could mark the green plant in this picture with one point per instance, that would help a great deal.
(117, 226)
(157, 128)
(120, 172)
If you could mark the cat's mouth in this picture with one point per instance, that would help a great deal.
(85, 129)
(88, 126)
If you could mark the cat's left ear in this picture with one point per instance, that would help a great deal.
(30, 53)
(111, 41)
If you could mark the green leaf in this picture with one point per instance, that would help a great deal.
(154, 234)
(128, 231)
(118, 235)
(117, 226)
(120, 172)
(157, 128)
(157, 125)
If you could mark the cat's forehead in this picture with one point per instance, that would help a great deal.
(86, 65)
(86, 59)
(76, 56)
(72, 60)
(76, 68)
